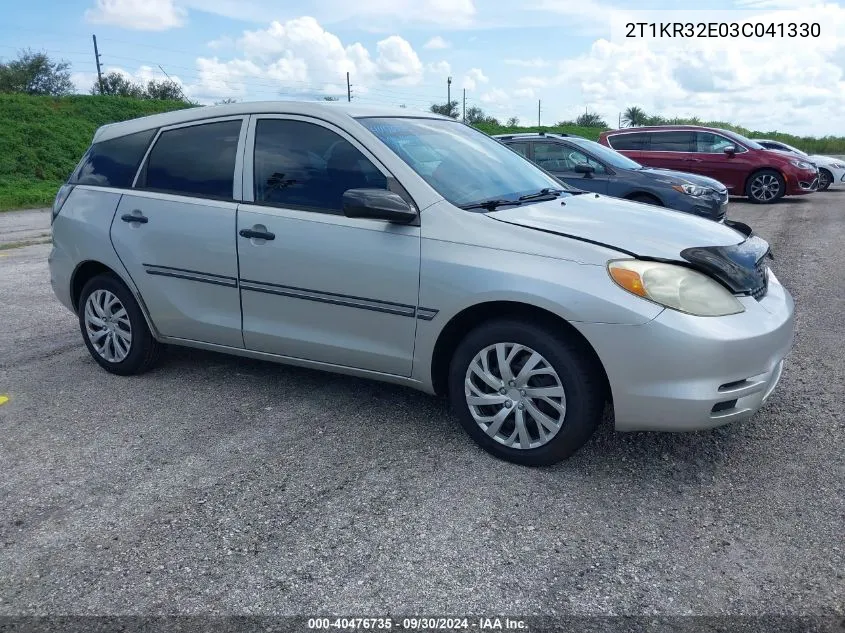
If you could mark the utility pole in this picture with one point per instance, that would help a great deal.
(348, 88)
(449, 93)
(620, 121)
(97, 59)
(181, 92)
(538, 113)
(465, 106)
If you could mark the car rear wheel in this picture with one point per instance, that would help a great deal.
(825, 179)
(525, 393)
(114, 329)
(765, 187)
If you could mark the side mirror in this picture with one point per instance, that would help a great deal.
(583, 168)
(730, 150)
(377, 204)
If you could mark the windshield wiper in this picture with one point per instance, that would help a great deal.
(543, 193)
(491, 204)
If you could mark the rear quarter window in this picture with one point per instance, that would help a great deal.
(113, 163)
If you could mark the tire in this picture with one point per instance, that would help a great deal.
(108, 314)
(765, 187)
(645, 198)
(574, 369)
(825, 179)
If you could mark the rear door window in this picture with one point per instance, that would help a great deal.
(519, 148)
(198, 160)
(680, 141)
(560, 157)
(634, 141)
(305, 165)
(113, 163)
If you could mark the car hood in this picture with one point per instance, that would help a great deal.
(733, 256)
(672, 177)
(824, 160)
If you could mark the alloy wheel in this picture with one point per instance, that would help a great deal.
(824, 180)
(107, 326)
(765, 187)
(515, 395)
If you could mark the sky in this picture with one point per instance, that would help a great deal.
(568, 55)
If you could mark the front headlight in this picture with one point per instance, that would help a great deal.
(690, 190)
(676, 287)
(802, 164)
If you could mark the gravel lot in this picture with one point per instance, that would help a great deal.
(221, 485)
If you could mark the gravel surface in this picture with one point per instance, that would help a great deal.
(229, 486)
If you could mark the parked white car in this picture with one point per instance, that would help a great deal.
(831, 170)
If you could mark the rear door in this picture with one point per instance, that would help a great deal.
(729, 169)
(671, 149)
(561, 159)
(325, 287)
(175, 230)
(634, 145)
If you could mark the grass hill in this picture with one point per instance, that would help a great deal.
(42, 139)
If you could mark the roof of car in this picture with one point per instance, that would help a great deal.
(662, 128)
(517, 135)
(332, 112)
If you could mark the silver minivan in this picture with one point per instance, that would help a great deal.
(411, 248)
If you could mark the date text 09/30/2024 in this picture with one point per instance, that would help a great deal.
(418, 624)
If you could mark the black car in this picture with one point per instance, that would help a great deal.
(590, 166)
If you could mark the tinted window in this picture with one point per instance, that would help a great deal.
(560, 157)
(198, 160)
(631, 141)
(605, 154)
(113, 163)
(710, 143)
(671, 142)
(460, 163)
(519, 148)
(306, 165)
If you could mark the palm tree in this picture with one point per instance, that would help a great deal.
(634, 117)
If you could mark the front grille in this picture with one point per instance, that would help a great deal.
(762, 271)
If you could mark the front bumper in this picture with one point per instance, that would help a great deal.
(713, 206)
(801, 182)
(683, 373)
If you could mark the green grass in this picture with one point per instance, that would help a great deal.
(42, 139)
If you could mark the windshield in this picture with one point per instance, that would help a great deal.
(605, 154)
(462, 164)
(739, 137)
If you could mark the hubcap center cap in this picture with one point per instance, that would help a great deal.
(514, 394)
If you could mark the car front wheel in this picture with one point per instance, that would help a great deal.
(765, 186)
(525, 393)
(825, 179)
(114, 328)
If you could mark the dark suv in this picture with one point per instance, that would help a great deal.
(744, 166)
(589, 166)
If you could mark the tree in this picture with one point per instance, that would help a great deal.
(590, 119)
(116, 84)
(634, 117)
(225, 101)
(513, 122)
(331, 99)
(446, 109)
(475, 115)
(36, 74)
(167, 90)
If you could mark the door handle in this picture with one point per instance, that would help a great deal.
(140, 218)
(257, 235)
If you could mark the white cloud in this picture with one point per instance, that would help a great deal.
(496, 96)
(473, 78)
(397, 61)
(141, 15)
(537, 62)
(441, 68)
(436, 42)
(524, 93)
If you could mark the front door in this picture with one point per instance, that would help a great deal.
(175, 232)
(561, 160)
(315, 284)
(711, 160)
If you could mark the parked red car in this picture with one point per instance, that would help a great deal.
(745, 167)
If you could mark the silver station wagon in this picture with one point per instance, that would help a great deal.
(414, 249)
